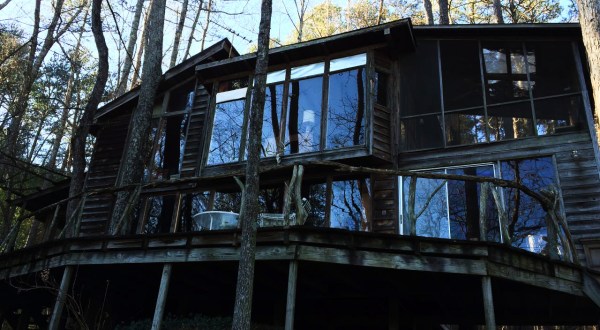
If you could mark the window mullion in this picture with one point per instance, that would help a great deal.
(484, 92)
(530, 88)
(247, 106)
(324, 107)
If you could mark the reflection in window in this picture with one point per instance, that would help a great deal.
(464, 128)
(450, 208)
(271, 120)
(316, 194)
(349, 202)
(526, 218)
(304, 116)
(346, 110)
(229, 202)
(227, 132)
(159, 214)
(170, 146)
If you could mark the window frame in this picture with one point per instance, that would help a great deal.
(278, 73)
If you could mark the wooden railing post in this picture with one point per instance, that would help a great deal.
(483, 197)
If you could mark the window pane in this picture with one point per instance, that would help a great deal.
(160, 213)
(304, 116)
(420, 81)
(422, 132)
(191, 205)
(505, 73)
(431, 207)
(510, 121)
(227, 133)
(308, 70)
(461, 74)
(346, 111)
(276, 76)
(231, 95)
(526, 218)
(229, 202)
(554, 70)
(271, 200)
(557, 114)
(271, 120)
(465, 127)
(463, 201)
(316, 194)
(349, 202)
(347, 62)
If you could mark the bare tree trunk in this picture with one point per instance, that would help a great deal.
(428, 11)
(380, 12)
(2, 5)
(589, 18)
(138, 59)
(209, 10)
(444, 15)
(178, 34)
(243, 296)
(62, 124)
(137, 146)
(78, 141)
(193, 30)
(498, 12)
(135, 24)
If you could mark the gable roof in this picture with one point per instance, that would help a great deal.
(184, 70)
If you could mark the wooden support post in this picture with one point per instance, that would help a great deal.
(162, 297)
(290, 307)
(488, 303)
(483, 197)
(65, 283)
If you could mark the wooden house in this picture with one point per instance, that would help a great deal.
(450, 180)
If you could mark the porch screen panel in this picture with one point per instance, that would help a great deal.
(463, 93)
(421, 124)
(507, 90)
(555, 86)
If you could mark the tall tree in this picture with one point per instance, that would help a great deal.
(137, 146)
(193, 30)
(78, 141)
(444, 12)
(135, 24)
(178, 31)
(249, 213)
(589, 18)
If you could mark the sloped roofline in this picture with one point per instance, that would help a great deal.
(398, 32)
(184, 70)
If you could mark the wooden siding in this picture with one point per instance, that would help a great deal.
(382, 141)
(385, 211)
(103, 172)
(578, 175)
(193, 144)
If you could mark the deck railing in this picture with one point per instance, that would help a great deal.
(552, 236)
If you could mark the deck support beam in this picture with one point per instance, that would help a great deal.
(488, 303)
(290, 307)
(163, 290)
(61, 297)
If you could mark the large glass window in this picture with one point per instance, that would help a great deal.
(451, 208)
(491, 91)
(325, 109)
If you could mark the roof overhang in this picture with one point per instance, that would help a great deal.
(394, 34)
(181, 72)
(551, 30)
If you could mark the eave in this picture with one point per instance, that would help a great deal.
(394, 34)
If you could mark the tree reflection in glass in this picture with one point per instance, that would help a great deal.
(304, 116)
(192, 204)
(526, 217)
(271, 118)
(227, 132)
(431, 208)
(346, 110)
(350, 201)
